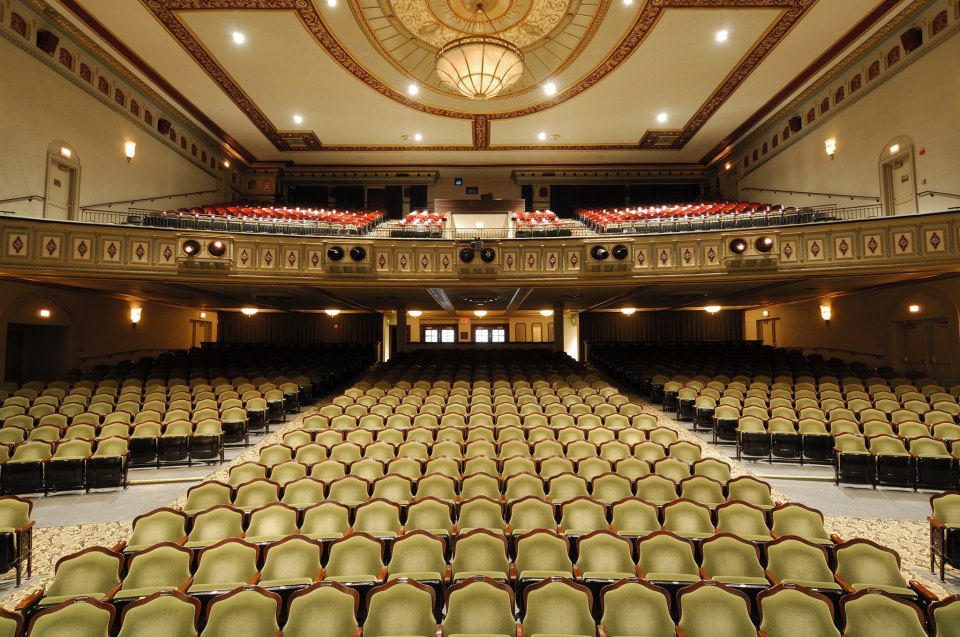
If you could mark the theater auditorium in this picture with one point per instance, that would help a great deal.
(472, 318)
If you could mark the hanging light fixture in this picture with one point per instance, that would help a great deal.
(480, 65)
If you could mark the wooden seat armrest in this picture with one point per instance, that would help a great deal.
(254, 579)
(836, 538)
(513, 572)
(186, 585)
(113, 591)
(703, 573)
(30, 600)
(322, 574)
(577, 575)
(454, 530)
(935, 522)
(448, 574)
(923, 591)
(26, 527)
(438, 632)
(506, 529)
(680, 632)
(770, 577)
(382, 576)
(119, 546)
(601, 631)
(519, 629)
(358, 632)
(844, 583)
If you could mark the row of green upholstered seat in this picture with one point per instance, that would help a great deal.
(360, 560)
(42, 466)
(485, 607)
(629, 517)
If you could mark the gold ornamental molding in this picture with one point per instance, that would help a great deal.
(166, 12)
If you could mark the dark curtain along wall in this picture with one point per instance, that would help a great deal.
(654, 327)
(300, 328)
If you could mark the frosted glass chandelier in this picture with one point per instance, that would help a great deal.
(480, 65)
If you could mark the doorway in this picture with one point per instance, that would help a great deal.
(924, 347)
(34, 351)
(61, 189)
(897, 178)
(767, 331)
(202, 333)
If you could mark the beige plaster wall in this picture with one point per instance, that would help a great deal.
(39, 107)
(862, 325)
(101, 324)
(921, 102)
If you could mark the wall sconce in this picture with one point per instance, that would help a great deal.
(826, 312)
(248, 311)
(830, 146)
(765, 313)
(44, 313)
(66, 152)
(331, 312)
(203, 315)
(226, 163)
(895, 149)
(135, 314)
(129, 150)
(480, 313)
(415, 313)
(712, 309)
(914, 309)
(546, 312)
(628, 311)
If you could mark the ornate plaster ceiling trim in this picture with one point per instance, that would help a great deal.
(676, 140)
(647, 20)
(883, 8)
(600, 11)
(233, 146)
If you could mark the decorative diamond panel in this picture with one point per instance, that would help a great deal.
(425, 263)
(313, 260)
(167, 250)
(934, 240)
(51, 247)
(17, 244)
(572, 260)
(110, 250)
(291, 259)
(664, 257)
(510, 261)
(642, 258)
(843, 248)
(404, 259)
(268, 258)
(903, 242)
(382, 261)
(140, 252)
(688, 256)
(81, 249)
(245, 257)
(872, 245)
(789, 251)
(530, 259)
(446, 262)
(553, 259)
(815, 251)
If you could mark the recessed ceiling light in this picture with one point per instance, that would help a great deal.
(417, 137)
(542, 137)
(722, 35)
(331, 3)
(239, 38)
(413, 89)
(297, 119)
(662, 118)
(628, 2)
(44, 313)
(550, 88)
